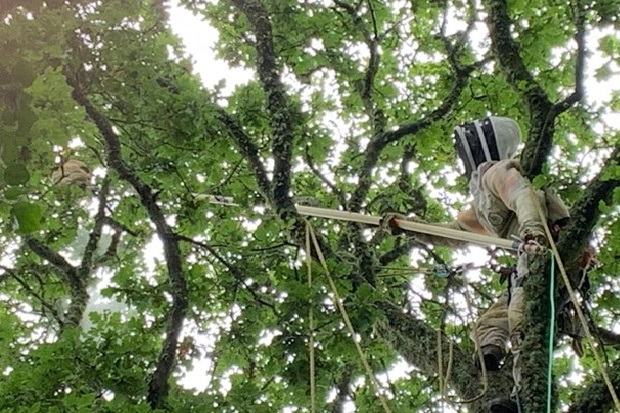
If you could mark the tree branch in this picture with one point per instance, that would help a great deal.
(365, 90)
(379, 142)
(277, 105)
(95, 235)
(414, 340)
(111, 222)
(8, 272)
(560, 107)
(249, 151)
(235, 271)
(158, 383)
(507, 53)
(70, 274)
(580, 39)
(341, 199)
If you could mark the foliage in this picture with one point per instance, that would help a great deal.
(115, 298)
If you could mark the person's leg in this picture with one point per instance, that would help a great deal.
(516, 334)
(491, 334)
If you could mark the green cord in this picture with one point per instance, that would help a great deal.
(551, 330)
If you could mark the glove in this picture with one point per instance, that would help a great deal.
(533, 231)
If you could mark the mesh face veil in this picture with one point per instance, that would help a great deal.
(491, 139)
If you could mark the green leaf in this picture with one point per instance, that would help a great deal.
(16, 174)
(604, 73)
(13, 193)
(28, 216)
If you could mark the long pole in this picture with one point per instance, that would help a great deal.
(484, 240)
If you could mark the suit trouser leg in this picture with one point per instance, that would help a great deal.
(515, 316)
(492, 328)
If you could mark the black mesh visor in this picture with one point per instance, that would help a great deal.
(475, 144)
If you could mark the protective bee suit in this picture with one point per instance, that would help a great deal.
(72, 172)
(504, 205)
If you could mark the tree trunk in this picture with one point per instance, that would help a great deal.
(535, 347)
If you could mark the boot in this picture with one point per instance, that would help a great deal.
(504, 405)
(493, 356)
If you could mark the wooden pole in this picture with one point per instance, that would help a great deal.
(484, 240)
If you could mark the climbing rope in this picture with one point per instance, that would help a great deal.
(311, 323)
(483, 367)
(551, 332)
(440, 370)
(444, 379)
(345, 316)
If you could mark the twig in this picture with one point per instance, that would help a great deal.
(234, 270)
(9, 273)
(341, 199)
(111, 222)
(249, 150)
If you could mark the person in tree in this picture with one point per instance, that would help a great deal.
(505, 205)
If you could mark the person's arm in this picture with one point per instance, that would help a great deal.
(504, 181)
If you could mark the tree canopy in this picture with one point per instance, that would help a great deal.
(114, 294)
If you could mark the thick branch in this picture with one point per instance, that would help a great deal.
(277, 105)
(534, 349)
(158, 383)
(585, 214)
(507, 53)
(95, 235)
(379, 142)
(70, 274)
(414, 340)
